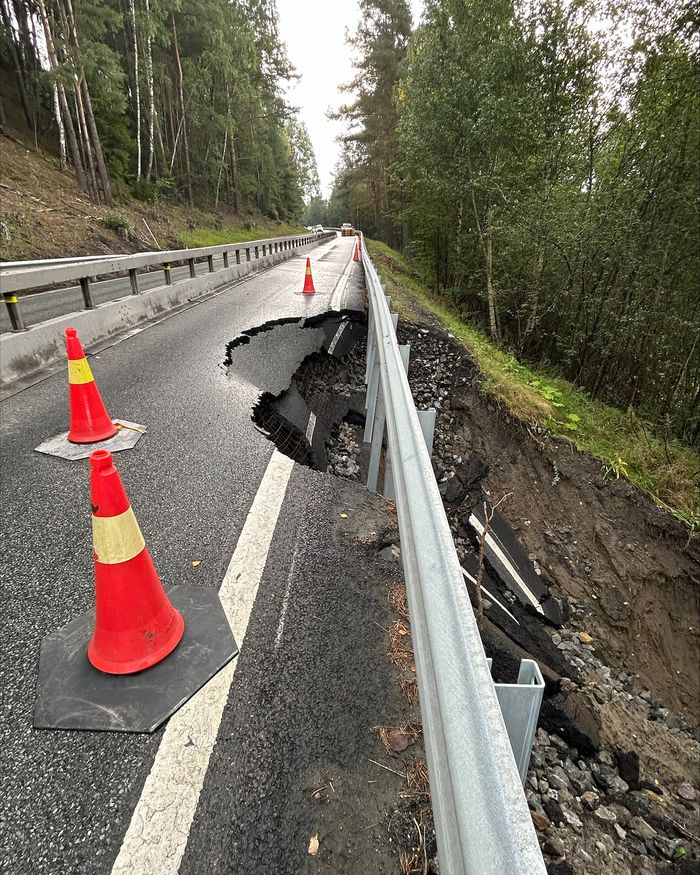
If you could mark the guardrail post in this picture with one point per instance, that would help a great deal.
(376, 445)
(168, 278)
(257, 252)
(86, 289)
(225, 254)
(14, 312)
(134, 280)
(210, 263)
(238, 256)
(426, 418)
(247, 253)
(264, 249)
(388, 485)
(193, 272)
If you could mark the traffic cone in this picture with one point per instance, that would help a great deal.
(308, 280)
(136, 626)
(356, 253)
(89, 420)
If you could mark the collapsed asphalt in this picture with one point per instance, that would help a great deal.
(67, 797)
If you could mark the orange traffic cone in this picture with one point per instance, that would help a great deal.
(356, 253)
(308, 280)
(136, 626)
(89, 420)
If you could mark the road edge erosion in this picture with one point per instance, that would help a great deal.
(26, 353)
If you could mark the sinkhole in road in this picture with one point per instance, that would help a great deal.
(309, 380)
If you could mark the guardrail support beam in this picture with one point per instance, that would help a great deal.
(168, 278)
(193, 272)
(14, 312)
(210, 262)
(426, 418)
(86, 289)
(388, 485)
(225, 257)
(134, 281)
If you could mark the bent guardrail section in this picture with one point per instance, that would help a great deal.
(482, 821)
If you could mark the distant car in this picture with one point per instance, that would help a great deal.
(318, 229)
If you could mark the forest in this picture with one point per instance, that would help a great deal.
(539, 160)
(160, 98)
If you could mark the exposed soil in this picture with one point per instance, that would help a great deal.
(629, 565)
(44, 215)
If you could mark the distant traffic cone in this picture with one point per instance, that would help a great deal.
(308, 280)
(136, 626)
(89, 420)
(356, 253)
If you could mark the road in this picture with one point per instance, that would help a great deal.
(312, 677)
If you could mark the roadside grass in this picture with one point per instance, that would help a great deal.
(230, 233)
(664, 468)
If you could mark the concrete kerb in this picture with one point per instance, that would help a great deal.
(25, 353)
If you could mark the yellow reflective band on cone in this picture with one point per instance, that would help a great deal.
(79, 372)
(116, 539)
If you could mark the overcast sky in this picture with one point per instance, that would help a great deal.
(314, 31)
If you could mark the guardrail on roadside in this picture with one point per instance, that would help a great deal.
(482, 821)
(85, 270)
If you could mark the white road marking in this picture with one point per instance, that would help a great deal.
(336, 337)
(474, 520)
(467, 576)
(156, 839)
(285, 600)
(311, 427)
(338, 294)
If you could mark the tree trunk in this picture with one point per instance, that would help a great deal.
(85, 139)
(61, 129)
(19, 75)
(137, 88)
(185, 145)
(63, 103)
(151, 94)
(95, 137)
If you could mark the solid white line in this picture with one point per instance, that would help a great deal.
(310, 427)
(285, 600)
(336, 337)
(157, 836)
(474, 520)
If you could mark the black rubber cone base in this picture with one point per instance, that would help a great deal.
(71, 694)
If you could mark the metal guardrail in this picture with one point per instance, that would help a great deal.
(482, 821)
(36, 275)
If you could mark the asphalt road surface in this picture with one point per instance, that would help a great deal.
(207, 488)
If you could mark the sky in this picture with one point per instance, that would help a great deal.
(314, 32)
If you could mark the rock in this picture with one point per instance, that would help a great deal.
(559, 744)
(665, 847)
(542, 787)
(639, 827)
(585, 638)
(607, 778)
(454, 490)
(604, 757)
(619, 831)
(590, 799)
(541, 821)
(687, 792)
(554, 846)
(572, 819)
(553, 811)
(556, 639)
(605, 815)
(558, 778)
(628, 767)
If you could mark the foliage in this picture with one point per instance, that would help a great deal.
(545, 171)
(657, 463)
(187, 98)
(236, 233)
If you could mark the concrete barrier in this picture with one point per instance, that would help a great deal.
(25, 353)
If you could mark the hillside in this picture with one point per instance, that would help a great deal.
(43, 215)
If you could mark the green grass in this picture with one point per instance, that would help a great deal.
(229, 233)
(628, 447)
